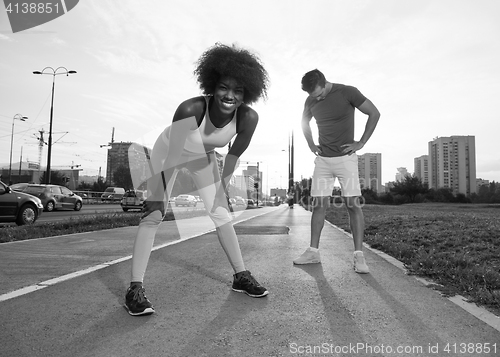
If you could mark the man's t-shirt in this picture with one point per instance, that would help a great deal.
(335, 117)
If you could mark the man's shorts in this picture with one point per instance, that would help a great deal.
(344, 168)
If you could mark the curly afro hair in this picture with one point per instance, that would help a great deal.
(225, 61)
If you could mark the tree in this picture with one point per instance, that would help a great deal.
(410, 187)
(84, 186)
(369, 195)
(55, 178)
(443, 194)
(100, 185)
(484, 193)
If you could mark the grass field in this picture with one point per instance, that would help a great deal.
(455, 245)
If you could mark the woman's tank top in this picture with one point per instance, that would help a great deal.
(207, 137)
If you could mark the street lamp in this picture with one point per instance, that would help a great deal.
(53, 74)
(19, 117)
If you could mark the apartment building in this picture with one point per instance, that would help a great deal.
(421, 168)
(480, 182)
(452, 164)
(402, 173)
(244, 182)
(370, 171)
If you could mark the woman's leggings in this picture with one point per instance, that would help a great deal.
(205, 174)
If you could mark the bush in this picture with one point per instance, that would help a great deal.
(386, 198)
(400, 199)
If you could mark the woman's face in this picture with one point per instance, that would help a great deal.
(228, 95)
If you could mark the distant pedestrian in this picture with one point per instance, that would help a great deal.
(231, 78)
(333, 106)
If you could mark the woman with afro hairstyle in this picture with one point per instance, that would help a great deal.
(231, 79)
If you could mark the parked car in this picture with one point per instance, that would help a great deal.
(55, 197)
(133, 199)
(240, 201)
(113, 194)
(185, 200)
(20, 187)
(18, 207)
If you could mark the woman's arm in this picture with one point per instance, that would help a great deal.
(185, 120)
(248, 121)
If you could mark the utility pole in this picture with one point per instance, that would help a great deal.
(290, 162)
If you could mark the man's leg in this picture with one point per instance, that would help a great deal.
(318, 219)
(357, 223)
(321, 188)
(311, 255)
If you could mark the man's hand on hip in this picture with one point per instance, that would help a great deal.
(316, 149)
(350, 149)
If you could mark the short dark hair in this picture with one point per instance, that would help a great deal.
(229, 61)
(312, 79)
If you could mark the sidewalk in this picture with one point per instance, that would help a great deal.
(317, 310)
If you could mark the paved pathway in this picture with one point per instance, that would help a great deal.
(318, 310)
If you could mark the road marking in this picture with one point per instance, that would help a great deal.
(60, 279)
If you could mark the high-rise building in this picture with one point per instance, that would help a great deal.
(258, 177)
(370, 171)
(402, 173)
(244, 182)
(117, 156)
(422, 168)
(452, 164)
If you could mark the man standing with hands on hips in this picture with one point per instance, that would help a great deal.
(333, 106)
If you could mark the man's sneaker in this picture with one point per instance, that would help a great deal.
(244, 282)
(308, 257)
(360, 264)
(137, 303)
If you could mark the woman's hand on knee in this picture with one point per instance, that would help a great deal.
(151, 206)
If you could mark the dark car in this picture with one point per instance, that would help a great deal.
(18, 207)
(55, 197)
(19, 186)
(133, 199)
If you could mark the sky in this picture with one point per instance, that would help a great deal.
(430, 67)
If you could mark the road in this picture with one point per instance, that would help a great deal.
(61, 215)
(318, 310)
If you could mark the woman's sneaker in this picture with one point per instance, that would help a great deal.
(244, 282)
(136, 301)
(308, 257)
